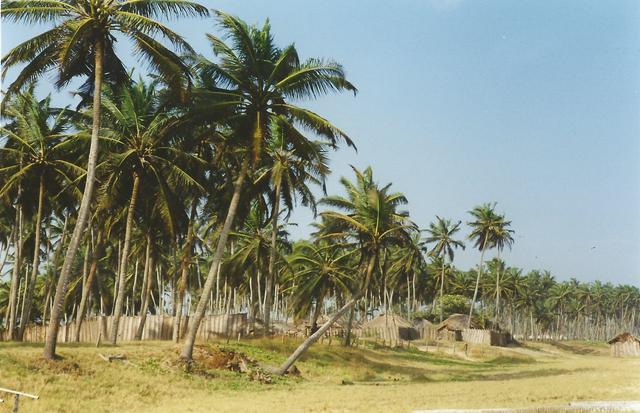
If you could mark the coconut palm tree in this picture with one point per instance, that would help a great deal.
(372, 221)
(442, 233)
(502, 237)
(292, 162)
(143, 159)
(257, 79)
(407, 263)
(40, 160)
(82, 43)
(485, 225)
(317, 269)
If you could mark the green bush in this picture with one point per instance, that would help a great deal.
(451, 304)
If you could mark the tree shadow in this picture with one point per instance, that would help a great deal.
(573, 349)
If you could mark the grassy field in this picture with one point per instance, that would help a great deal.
(333, 379)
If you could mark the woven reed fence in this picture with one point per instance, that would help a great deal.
(488, 337)
(156, 327)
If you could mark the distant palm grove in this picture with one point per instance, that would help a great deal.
(170, 192)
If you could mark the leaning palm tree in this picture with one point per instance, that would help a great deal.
(85, 30)
(38, 157)
(484, 227)
(372, 221)
(257, 79)
(441, 233)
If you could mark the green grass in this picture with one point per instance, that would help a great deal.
(333, 378)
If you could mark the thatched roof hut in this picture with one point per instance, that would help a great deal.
(419, 323)
(425, 328)
(624, 345)
(390, 328)
(456, 322)
(385, 320)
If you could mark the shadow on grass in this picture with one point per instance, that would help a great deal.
(580, 350)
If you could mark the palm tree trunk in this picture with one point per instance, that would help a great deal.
(28, 301)
(15, 273)
(86, 291)
(184, 272)
(347, 335)
(316, 336)
(124, 259)
(315, 316)
(442, 289)
(414, 303)
(272, 259)
(146, 287)
(6, 251)
(83, 212)
(475, 292)
(187, 349)
(497, 309)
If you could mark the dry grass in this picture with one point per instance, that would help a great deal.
(333, 379)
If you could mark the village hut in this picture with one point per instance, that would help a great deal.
(390, 328)
(451, 328)
(425, 328)
(625, 345)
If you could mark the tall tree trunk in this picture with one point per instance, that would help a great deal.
(272, 259)
(122, 276)
(316, 336)
(442, 288)
(6, 250)
(15, 274)
(347, 335)
(86, 291)
(497, 309)
(187, 349)
(28, 301)
(146, 287)
(475, 292)
(184, 272)
(315, 316)
(83, 212)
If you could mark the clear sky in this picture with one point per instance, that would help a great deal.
(531, 104)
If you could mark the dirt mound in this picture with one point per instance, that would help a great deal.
(210, 357)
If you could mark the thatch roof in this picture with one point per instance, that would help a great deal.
(422, 323)
(624, 337)
(456, 322)
(383, 320)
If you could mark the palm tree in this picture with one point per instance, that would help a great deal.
(142, 160)
(257, 79)
(407, 261)
(292, 162)
(484, 227)
(442, 233)
(86, 28)
(372, 221)
(317, 269)
(38, 158)
(502, 237)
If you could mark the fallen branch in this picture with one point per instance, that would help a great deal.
(111, 357)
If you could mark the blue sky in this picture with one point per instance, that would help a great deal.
(531, 104)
